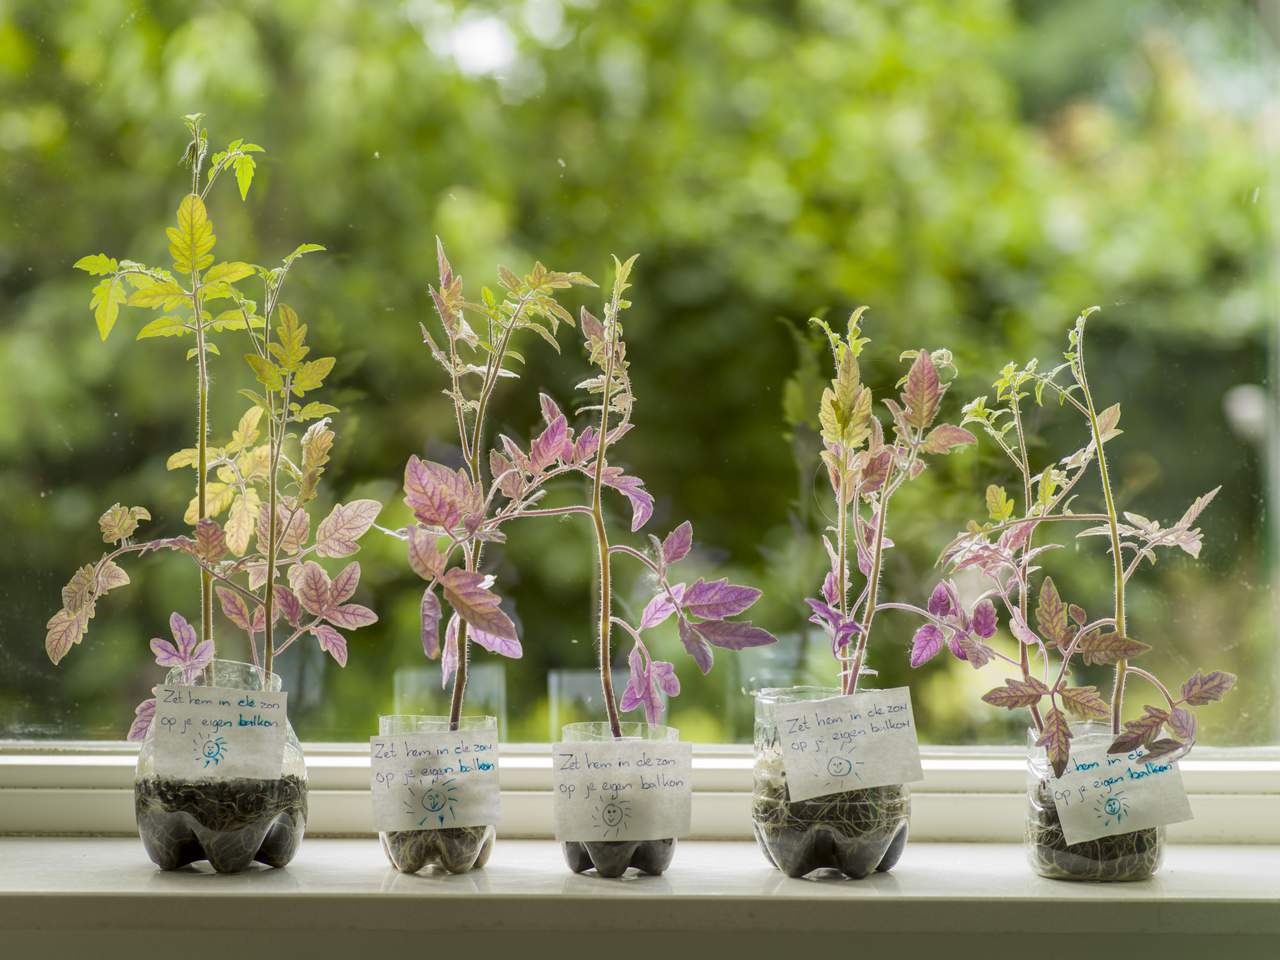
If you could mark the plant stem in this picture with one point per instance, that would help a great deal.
(842, 553)
(602, 538)
(202, 455)
(1117, 693)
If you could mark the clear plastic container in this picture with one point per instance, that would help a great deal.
(611, 858)
(230, 823)
(454, 849)
(1123, 857)
(854, 832)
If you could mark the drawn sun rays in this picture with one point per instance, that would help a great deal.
(209, 751)
(611, 815)
(1112, 809)
(437, 802)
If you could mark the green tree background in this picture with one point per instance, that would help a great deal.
(976, 171)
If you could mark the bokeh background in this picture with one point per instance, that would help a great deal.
(976, 171)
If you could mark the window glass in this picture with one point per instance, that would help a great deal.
(976, 172)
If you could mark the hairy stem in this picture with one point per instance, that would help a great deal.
(1117, 559)
(602, 542)
(202, 456)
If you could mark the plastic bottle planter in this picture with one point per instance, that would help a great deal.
(1125, 856)
(620, 805)
(855, 832)
(230, 823)
(436, 799)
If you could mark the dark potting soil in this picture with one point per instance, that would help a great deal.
(456, 849)
(230, 823)
(1124, 857)
(611, 858)
(855, 832)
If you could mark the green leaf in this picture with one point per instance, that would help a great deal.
(244, 167)
(167, 326)
(311, 374)
(229, 272)
(999, 506)
(268, 373)
(108, 296)
(149, 292)
(208, 348)
(97, 264)
(191, 241)
(291, 349)
(301, 250)
(233, 319)
(311, 411)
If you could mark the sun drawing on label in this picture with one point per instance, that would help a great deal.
(840, 767)
(1112, 809)
(611, 815)
(210, 751)
(435, 802)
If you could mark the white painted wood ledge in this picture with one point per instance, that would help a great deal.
(77, 897)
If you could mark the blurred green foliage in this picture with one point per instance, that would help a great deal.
(976, 171)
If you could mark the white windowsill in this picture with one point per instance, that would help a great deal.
(341, 898)
(968, 794)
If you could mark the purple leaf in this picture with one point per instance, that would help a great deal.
(469, 595)
(664, 675)
(350, 616)
(549, 445)
(505, 646)
(646, 680)
(313, 587)
(550, 410)
(925, 644)
(142, 716)
(1016, 694)
(345, 583)
(734, 634)
(1056, 740)
(426, 559)
(633, 489)
(233, 607)
(955, 643)
(830, 588)
(584, 447)
(661, 607)
(678, 543)
(438, 496)
(1205, 688)
(431, 614)
(331, 642)
(984, 619)
(184, 635)
(940, 601)
(922, 393)
(842, 629)
(697, 647)
(717, 599)
(287, 603)
(946, 437)
(166, 654)
(346, 523)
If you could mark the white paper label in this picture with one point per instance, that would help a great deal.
(219, 733)
(435, 780)
(866, 739)
(1102, 795)
(622, 789)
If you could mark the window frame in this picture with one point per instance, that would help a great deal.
(969, 794)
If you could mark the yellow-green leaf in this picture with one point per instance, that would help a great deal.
(228, 272)
(108, 296)
(268, 373)
(244, 167)
(311, 374)
(169, 326)
(97, 264)
(191, 241)
(246, 431)
(150, 292)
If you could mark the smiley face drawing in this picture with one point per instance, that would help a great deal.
(211, 751)
(436, 802)
(839, 766)
(612, 815)
(1112, 809)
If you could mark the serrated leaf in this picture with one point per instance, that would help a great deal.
(156, 293)
(1098, 649)
(469, 595)
(923, 392)
(63, 631)
(119, 522)
(228, 272)
(107, 298)
(426, 559)
(168, 326)
(999, 505)
(1056, 740)
(311, 374)
(1016, 693)
(312, 410)
(1204, 688)
(947, 437)
(337, 533)
(97, 264)
(268, 373)
(244, 167)
(301, 250)
(191, 241)
(1051, 615)
(1084, 703)
(240, 521)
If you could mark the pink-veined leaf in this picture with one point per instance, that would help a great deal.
(350, 616)
(1056, 740)
(233, 608)
(1107, 648)
(286, 601)
(549, 446)
(696, 645)
(211, 542)
(716, 599)
(313, 587)
(946, 437)
(469, 595)
(1205, 688)
(734, 634)
(633, 489)
(346, 523)
(331, 642)
(449, 658)
(345, 583)
(1016, 693)
(1084, 703)
(926, 644)
(922, 393)
(678, 543)
(1182, 724)
(426, 559)
(438, 496)
(661, 607)
(143, 714)
(431, 613)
